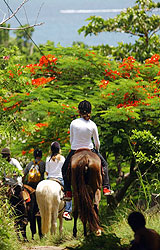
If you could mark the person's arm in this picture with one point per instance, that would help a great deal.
(96, 137)
(46, 166)
(26, 171)
(71, 133)
(17, 164)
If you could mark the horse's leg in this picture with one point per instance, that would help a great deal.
(96, 207)
(75, 215)
(97, 200)
(54, 221)
(60, 224)
(17, 230)
(23, 231)
(32, 215)
(85, 229)
(39, 227)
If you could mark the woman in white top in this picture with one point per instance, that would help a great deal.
(54, 165)
(82, 130)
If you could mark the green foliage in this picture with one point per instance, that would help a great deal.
(147, 147)
(137, 21)
(8, 237)
(4, 35)
(106, 241)
(40, 100)
(6, 168)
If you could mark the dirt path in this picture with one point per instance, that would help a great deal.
(44, 248)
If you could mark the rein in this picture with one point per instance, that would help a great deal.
(62, 208)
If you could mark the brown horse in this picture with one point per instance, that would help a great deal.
(86, 181)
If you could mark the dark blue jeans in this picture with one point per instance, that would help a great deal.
(67, 184)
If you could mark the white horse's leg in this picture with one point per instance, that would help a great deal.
(54, 221)
(60, 223)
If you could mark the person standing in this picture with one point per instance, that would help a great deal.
(82, 130)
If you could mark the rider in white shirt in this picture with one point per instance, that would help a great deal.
(82, 130)
(7, 155)
(54, 165)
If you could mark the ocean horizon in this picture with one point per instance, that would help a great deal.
(62, 19)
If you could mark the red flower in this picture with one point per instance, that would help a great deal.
(41, 125)
(153, 60)
(31, 150)
(42, 141)
(24, 152)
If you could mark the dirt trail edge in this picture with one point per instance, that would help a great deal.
(44, 248)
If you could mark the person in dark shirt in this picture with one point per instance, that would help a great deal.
(41, 164)
(144, 238)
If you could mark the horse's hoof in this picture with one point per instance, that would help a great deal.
(25, 240)
(98, 232)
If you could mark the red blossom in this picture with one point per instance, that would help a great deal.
(74, 108)
(153, 60)
(24, 152)
(31, 150)
(42, 81)
(113, 74)
(104, 84)
(43, 141)
(11, 74)
(64, 105)
(41, 125)
(6, 57)
(47, 60)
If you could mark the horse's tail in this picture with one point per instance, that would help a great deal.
(45, 206)
(85, 198)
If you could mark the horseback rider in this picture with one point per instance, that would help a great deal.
(30, 185)
(6, 154)
(54, 165)
(41, 168)
(15, 193)
(81, 132)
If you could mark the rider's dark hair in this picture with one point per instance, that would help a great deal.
(136, 220)
(84, 107)
(37, 153)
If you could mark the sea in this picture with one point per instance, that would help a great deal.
(62, 18)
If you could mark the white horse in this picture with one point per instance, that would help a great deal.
(49, 196)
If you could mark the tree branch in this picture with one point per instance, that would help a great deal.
(14, 13)
(22, 28)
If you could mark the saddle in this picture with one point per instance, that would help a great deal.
(81, 149)
(54, 179)
(26, 193)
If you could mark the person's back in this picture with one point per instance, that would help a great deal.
(144, 238)
(81, 133)
(39, 164)
(54, 166)
(149, 239)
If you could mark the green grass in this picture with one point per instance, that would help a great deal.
(116, 234)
